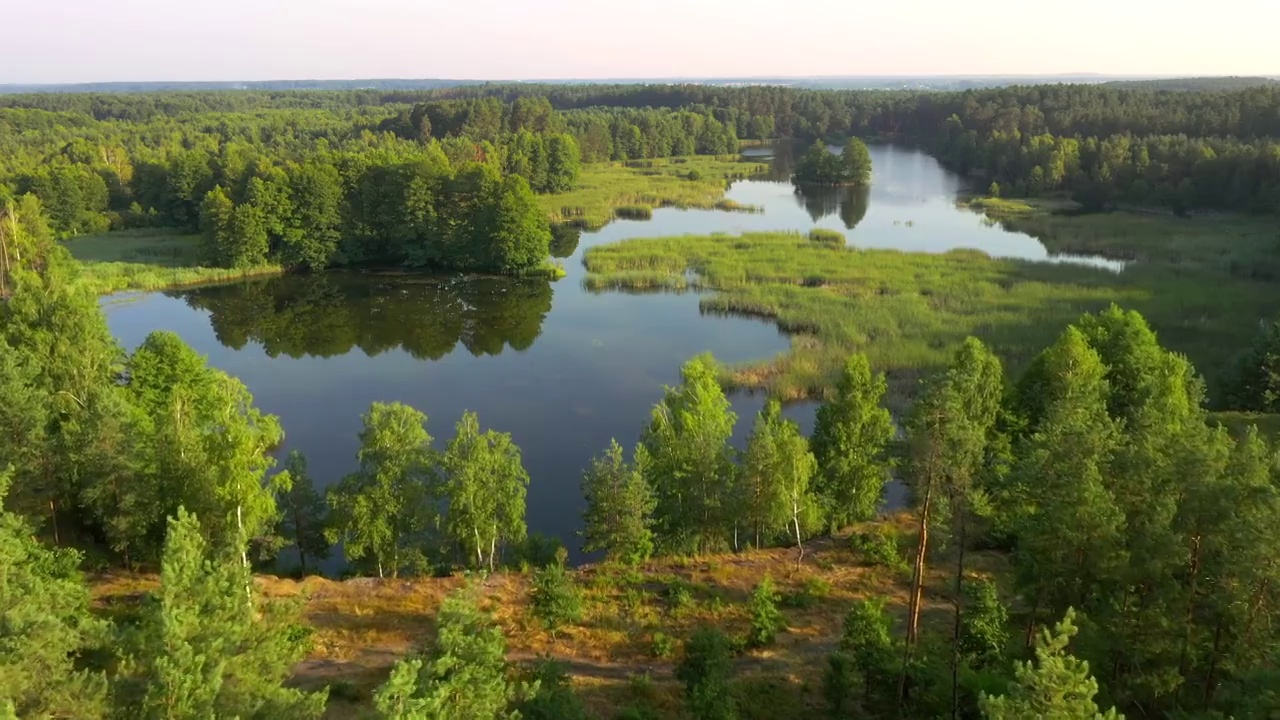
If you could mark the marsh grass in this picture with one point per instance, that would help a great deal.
(633, 189)
(149, 259)
(908, 311)
(1243, 246)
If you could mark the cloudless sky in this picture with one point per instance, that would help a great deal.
(104, 40)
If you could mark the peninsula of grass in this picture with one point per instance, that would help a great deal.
(149, 259)
(906, 311)
(1234, 244)
(633, 189)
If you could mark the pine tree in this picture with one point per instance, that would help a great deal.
(705, 671)
(303, 513)
(949, 433)
(620, 504)
(553, 596)
(462, 676)
(485, 486)
(850, 435)
(866, 650)
(1056, 685)
(766, 618)
(45, 627)
(384, 509)
(202, 651)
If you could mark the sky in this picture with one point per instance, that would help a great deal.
(56, 41)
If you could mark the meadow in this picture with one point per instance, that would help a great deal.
(149, 259)
(633, 189)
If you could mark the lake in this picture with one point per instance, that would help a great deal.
(561, 369)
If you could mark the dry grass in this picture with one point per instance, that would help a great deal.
(363, 626)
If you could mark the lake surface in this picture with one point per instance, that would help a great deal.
(561, 369)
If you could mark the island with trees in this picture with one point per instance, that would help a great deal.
(818, 166)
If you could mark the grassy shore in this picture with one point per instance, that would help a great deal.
(635, 188)
(908, 311)
(624, 650)
(1237, 245)
(149, 260)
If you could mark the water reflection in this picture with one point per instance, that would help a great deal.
(847, 203)
(327, 315)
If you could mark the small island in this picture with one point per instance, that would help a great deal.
(819, 166)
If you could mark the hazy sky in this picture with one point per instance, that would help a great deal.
(100, 40)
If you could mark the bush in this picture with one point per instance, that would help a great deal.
(555, 699)
(539, 551)
(823, 236)
(984, 625)
(705, 672)
(554, 598)
(663, 646)
(879, 547)
(693, 175)
(679, 595)
(810, 594)
(766, 619)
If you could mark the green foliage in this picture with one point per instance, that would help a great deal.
(766, 618)
(384, 509)
(811, 592)
(662, 646)
(619, 506)
(818, 166)
(1056, 685)
(554, 698)
(984, 631)
(554, 597)
(1255, 381)
(690, 465)
(209, 450)
(204, 648)
(880, 547)
(773, 485)
(46, 627)
(462, 676)
(850, 436)
(832, 238)
(303, 513)
(485, 485)
(706, 670)
(860, 672)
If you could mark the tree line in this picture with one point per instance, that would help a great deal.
(121, 160)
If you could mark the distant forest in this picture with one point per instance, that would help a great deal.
(405, 177)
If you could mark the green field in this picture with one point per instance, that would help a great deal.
(632, 189)
(148, 260)
(908, 311)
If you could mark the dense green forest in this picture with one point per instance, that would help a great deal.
(387, 177)
(1081, 538)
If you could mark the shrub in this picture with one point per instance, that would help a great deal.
(693, 175)
(766, 619)
(810, 594)
(984, 633)
(879, 547)
(555, 599)
(554, 699)
(663, 646)
(705, 672)
(823, 236)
